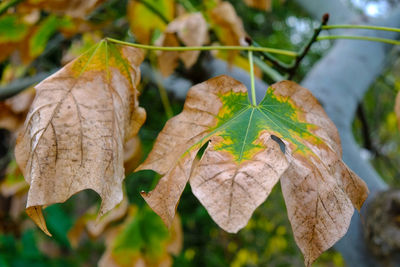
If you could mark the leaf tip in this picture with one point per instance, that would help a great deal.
(35, 213)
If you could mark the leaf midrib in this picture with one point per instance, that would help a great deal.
(221, 127)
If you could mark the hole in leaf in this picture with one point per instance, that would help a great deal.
(280, 143)
(202, 149)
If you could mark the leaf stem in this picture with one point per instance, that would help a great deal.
(253, 88)
(365, 38)
(271, 72)
(276, 62)
(206, 48)
(365, 27)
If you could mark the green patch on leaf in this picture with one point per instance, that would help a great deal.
(101, 57)
(240, 124)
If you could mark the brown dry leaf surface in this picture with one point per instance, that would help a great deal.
(190, 30)
(13, 111)
(260, 4)
(228, 26)
(397, 109)
(72, 8)
(320, 191)
(74, 134)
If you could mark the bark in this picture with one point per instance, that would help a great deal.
(339, 80)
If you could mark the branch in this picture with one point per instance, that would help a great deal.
(19, 85)
(307, 47)
(363, 27)
(206, 48)
(271, 72)
(339, 80)
(363, 38)
(273, 60)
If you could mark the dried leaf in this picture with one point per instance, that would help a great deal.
(72, 8)
(13, 111)
(397, 109)
(227, 25)
(36, 214)
(80, 118)
(143, 21)
(132, 154)
(319, 189)
(287, 136)
(229, 179)
(265, 5)
(167, 62)
(239, 61)
(8, 119)
(190, 30)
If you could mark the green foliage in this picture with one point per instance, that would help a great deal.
(12, 29)
(145, 232)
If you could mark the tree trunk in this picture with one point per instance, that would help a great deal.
(339, 80)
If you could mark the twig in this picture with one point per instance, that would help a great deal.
(363, 38)
(206, 48)
(363, 27)
(307, 47)
(6, 5)
(271, 72)
(276, 62)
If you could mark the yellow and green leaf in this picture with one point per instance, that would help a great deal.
(286, 136)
